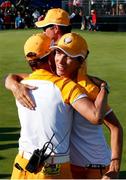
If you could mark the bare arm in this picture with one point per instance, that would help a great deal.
(116, 132)
(94, 112)
(20, 91)
(116, 137)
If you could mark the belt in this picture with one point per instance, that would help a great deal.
(51, 160)
(58, 159)
(95, 166)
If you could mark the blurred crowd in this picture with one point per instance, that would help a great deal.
(19, 18)
(25, 17)
(86, 12)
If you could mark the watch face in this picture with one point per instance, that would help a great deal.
(107, 88)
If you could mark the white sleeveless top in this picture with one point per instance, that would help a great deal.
(88, 144)
(53, 113)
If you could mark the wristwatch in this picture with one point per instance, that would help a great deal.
(106, 87)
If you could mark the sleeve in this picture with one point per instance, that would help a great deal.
(91, 90)
(72, 91)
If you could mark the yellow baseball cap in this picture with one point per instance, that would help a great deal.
(39, 44)
(73, 45)
(56, 16)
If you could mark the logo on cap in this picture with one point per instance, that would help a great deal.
(67, 40)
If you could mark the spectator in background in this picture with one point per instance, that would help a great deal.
(1, 19)
(27, 20)
(93, 21)
(84, 20)
(106, 7)
(75, 17)
(1, 23)
(113, 6)
(7, 19)
(74, 14)
(124, 6)
(35, 15)
(121, 10)
(19, 21)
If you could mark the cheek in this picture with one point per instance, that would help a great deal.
(56, 58)
(70, 63)
(56, 62)
(49, 33)
(73, 66)
(46, 32)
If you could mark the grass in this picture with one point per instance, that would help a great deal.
(106, 60)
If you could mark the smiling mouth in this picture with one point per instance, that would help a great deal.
(61, 68)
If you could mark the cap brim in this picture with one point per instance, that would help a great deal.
(40, 57)
(67, 52)
(40, 24)
(43, 23)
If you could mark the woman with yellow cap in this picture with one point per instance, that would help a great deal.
(90, 155)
